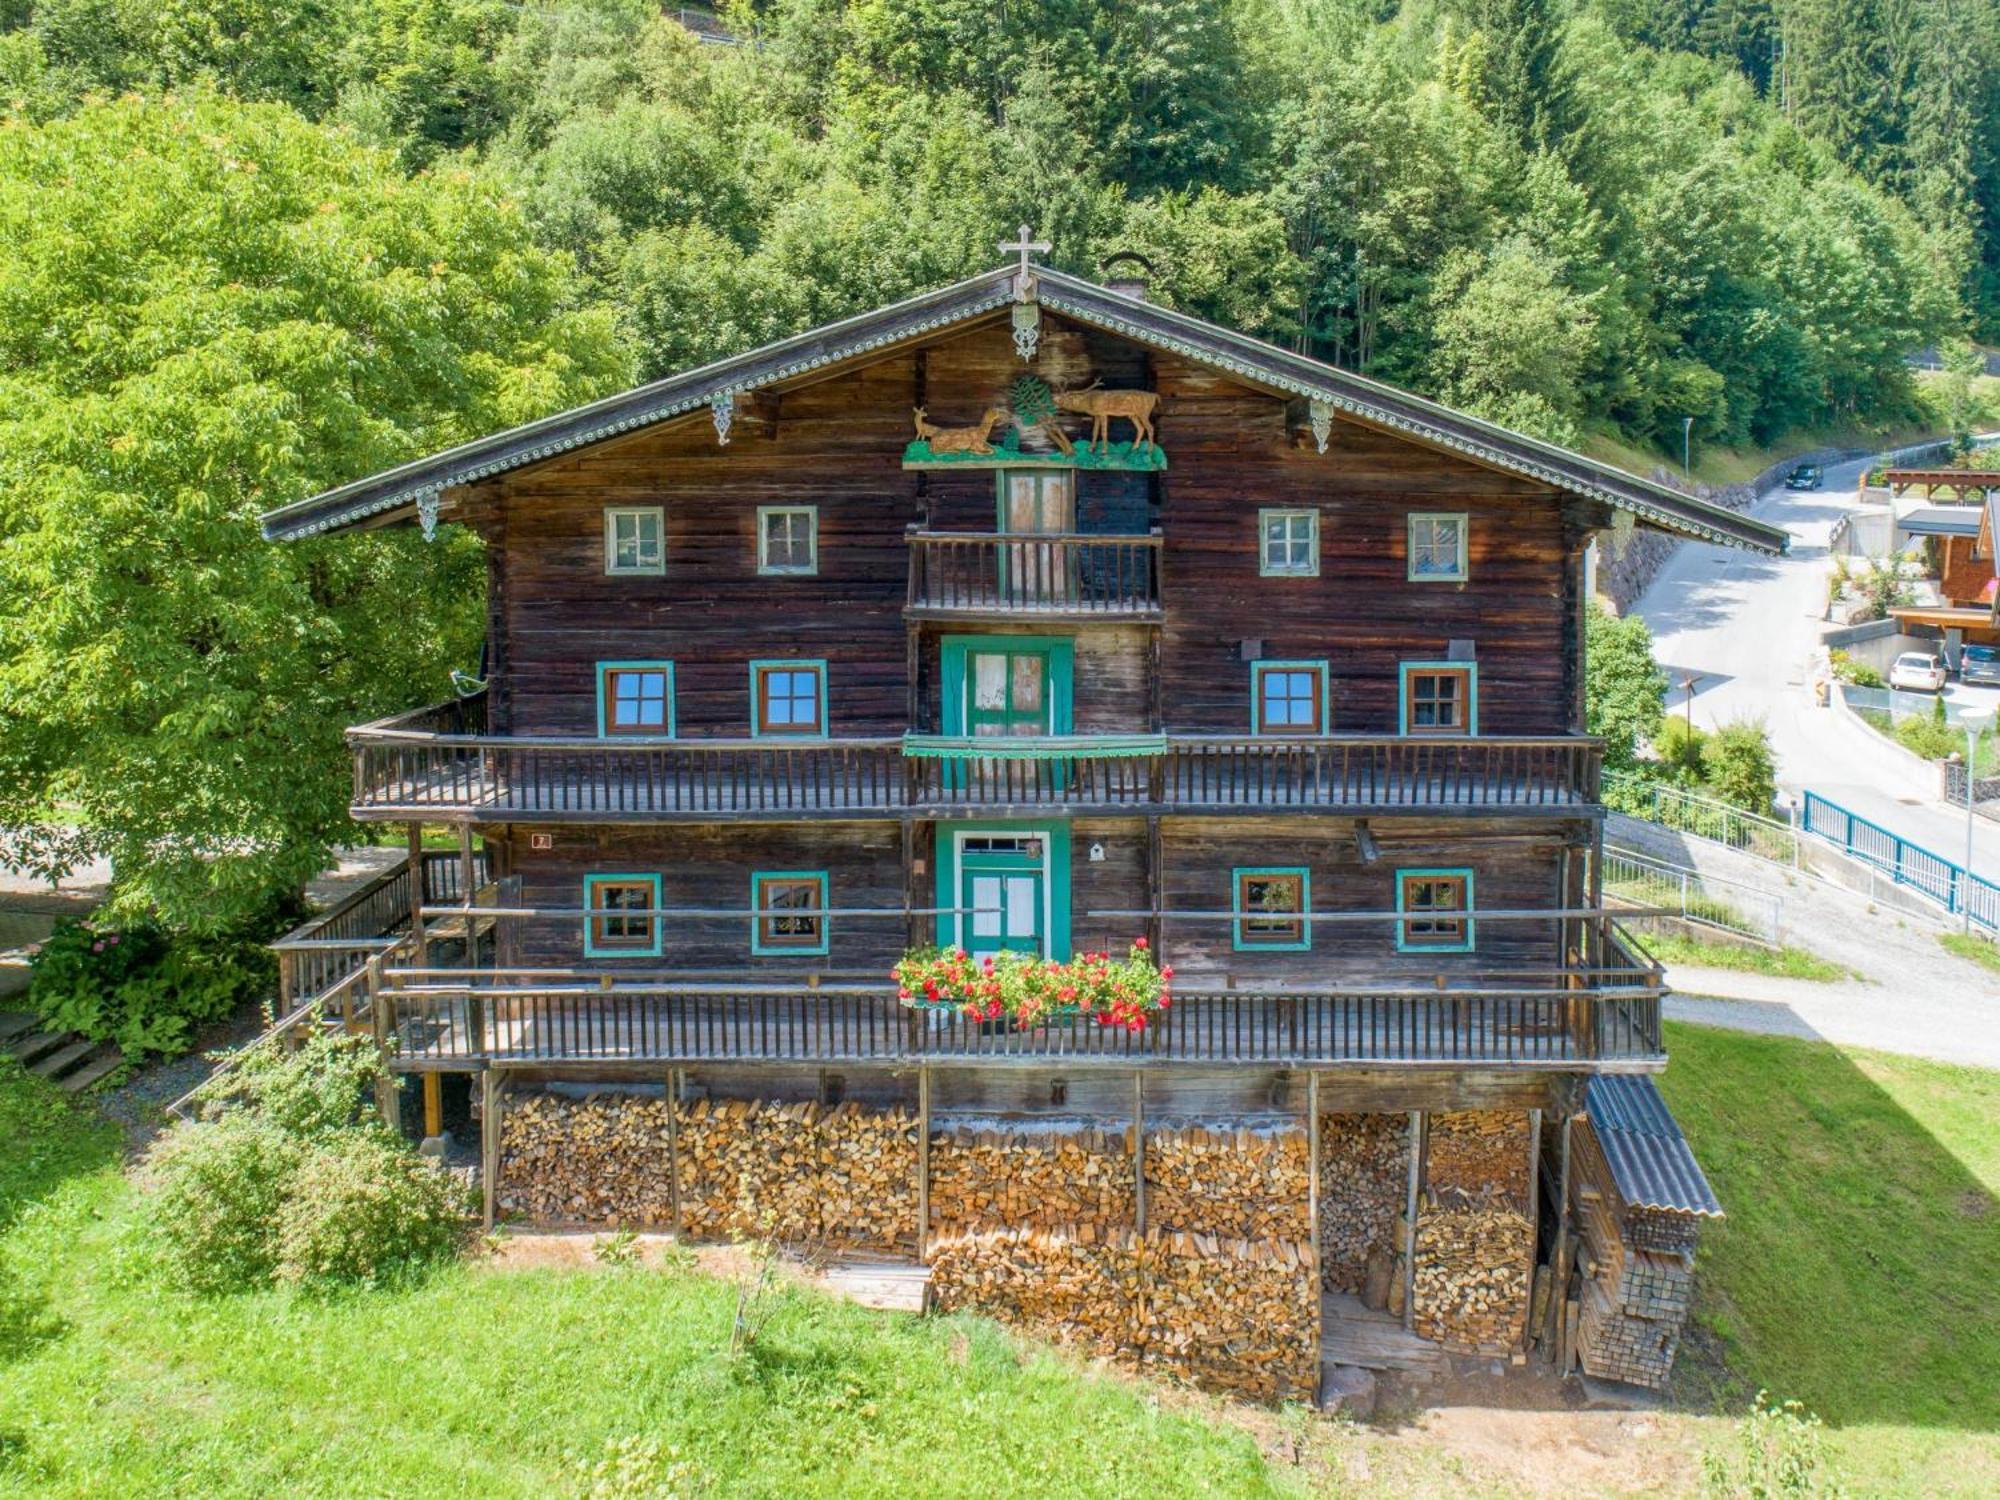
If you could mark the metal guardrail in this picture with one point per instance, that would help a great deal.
(1726, 905)
(1703, 817)
(1959, 891)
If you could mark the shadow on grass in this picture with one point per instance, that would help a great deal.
(1855, 1269)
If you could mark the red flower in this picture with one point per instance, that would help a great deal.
(1140, 944)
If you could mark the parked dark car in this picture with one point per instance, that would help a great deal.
(1805, 477)
(1980, 664)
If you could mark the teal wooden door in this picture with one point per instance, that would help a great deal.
(1003, 896)
(1008, 693)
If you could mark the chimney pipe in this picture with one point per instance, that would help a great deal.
(1127, 273)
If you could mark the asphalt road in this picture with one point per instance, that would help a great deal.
(1748, 627)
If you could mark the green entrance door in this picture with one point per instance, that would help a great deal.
(1007, 693)
(1003, 894)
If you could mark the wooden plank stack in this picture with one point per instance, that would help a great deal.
(1363, 1181)
(1079, 1180)
(1239, 1183)
(1228, 1314)
(1634, 1299)
(599, 1160)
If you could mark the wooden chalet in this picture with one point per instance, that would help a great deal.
(1025, 614)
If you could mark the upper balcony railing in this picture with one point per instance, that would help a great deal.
(431, 764)
(1045, 574)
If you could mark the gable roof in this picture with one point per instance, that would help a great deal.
(1652, 1165)
(417, 484)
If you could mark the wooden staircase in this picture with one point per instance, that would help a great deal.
(63, 1057)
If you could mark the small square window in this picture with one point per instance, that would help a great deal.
(1440, 698)
(791, 912)
(788, 697)
(1289, 697)
(1436, 902)
(628, 926)
(1273, 904)
(1288, 543)
(635, 698)
(633, 540)
(1437, 547)
(788, 539)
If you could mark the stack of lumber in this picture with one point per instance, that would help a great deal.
(1231, 1315)
(600, 1160)
(1474, 1262)
(1634, 1300)
(868, 1176)
(750, 1167)
(1481, 1153)
(1239, 1183)
(1076, 1179)
(1364, 1165)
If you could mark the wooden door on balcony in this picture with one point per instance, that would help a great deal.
(1037, 502)
(1003, 895)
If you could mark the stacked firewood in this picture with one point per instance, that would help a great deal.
(1474, 1260)
(750, 1167)
(1076, 1179)
(1363, 1185)
(1480, 1152)
(1230, 1315)
(1240, 1183)
(600, 1160)
(868, 1176)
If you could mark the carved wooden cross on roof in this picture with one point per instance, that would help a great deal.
(1024, 279)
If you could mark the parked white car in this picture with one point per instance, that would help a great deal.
(1917, 673)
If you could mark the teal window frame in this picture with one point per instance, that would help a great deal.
(594, 949)
(1261, 669)
(784, 664)
(762, 947)
(1239, 940)
(1059, 680)
(1288, 570)
(1409, 668)
(657, 514)
(604, 727)
(1463, 569)
(1403, 943)
(765, 567)
(1057, 838)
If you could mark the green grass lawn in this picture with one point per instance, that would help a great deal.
(1970, 945)
(1672, 948)
(1858, 1267)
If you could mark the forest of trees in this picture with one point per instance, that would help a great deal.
(262, 246)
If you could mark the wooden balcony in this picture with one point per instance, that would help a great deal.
(1050, 576)
(434, 1019)
(435, 764)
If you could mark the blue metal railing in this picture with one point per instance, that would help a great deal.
(1951, 885)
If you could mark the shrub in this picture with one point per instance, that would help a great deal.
(364, 1208)
(1931, 738)
(1681, 746)
(320, 1087)
(216, 1189)
(1625, 691)
(1737, 768)
(141, 988)
(1855, 673)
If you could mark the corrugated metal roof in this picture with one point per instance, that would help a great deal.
(1652, 1165)
(1941, 520)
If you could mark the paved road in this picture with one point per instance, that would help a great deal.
(1749, 627)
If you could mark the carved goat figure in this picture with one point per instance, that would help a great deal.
(976, 439)
(1101, 406)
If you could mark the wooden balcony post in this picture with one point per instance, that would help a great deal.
(416, 868)
(1559, 1291)
(674, 1144)
(489, 1143)
(1139, 1151)
(923, 1162)
(1312, 1166)
(1410, 1220)
(433, 1105)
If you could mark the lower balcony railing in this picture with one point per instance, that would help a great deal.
(431, 1021)
(415, 766)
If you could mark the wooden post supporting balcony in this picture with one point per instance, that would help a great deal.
(923, 1162)
(1410, 1220)
(489, 1143)
(1139, 1152)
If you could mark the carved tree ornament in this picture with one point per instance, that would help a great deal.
(1034, 407)
(427, 514)
(1027, 328)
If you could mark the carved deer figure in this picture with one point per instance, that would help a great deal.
(1101, 406)
(975, 439)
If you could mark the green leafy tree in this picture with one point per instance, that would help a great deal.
(1737, 767)
(1625, 692)
(211, 308)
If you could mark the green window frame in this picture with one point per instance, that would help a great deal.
(1286, 548)
(635, 541)
(623, 710)
(627, 936)
(1418, 699)
(794, 933)
(1250, 888)
(779, 694)
(1291, 688)
(797, 554)
(1438, 546)
(1426, 891)
(1056, 870)
(1058, 675)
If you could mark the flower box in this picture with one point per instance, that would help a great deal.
(1016, 991)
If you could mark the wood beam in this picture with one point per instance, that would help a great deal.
(489, 1144)
(923, 1162)
(433, 1105)
(1410, 1220)
(674, 1144)
(1312, 1167)
(1139, 1152)
(416, 857)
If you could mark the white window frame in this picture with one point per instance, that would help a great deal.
(1265, 568)
(613, 514)
(1462, 568)
(787, 570)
